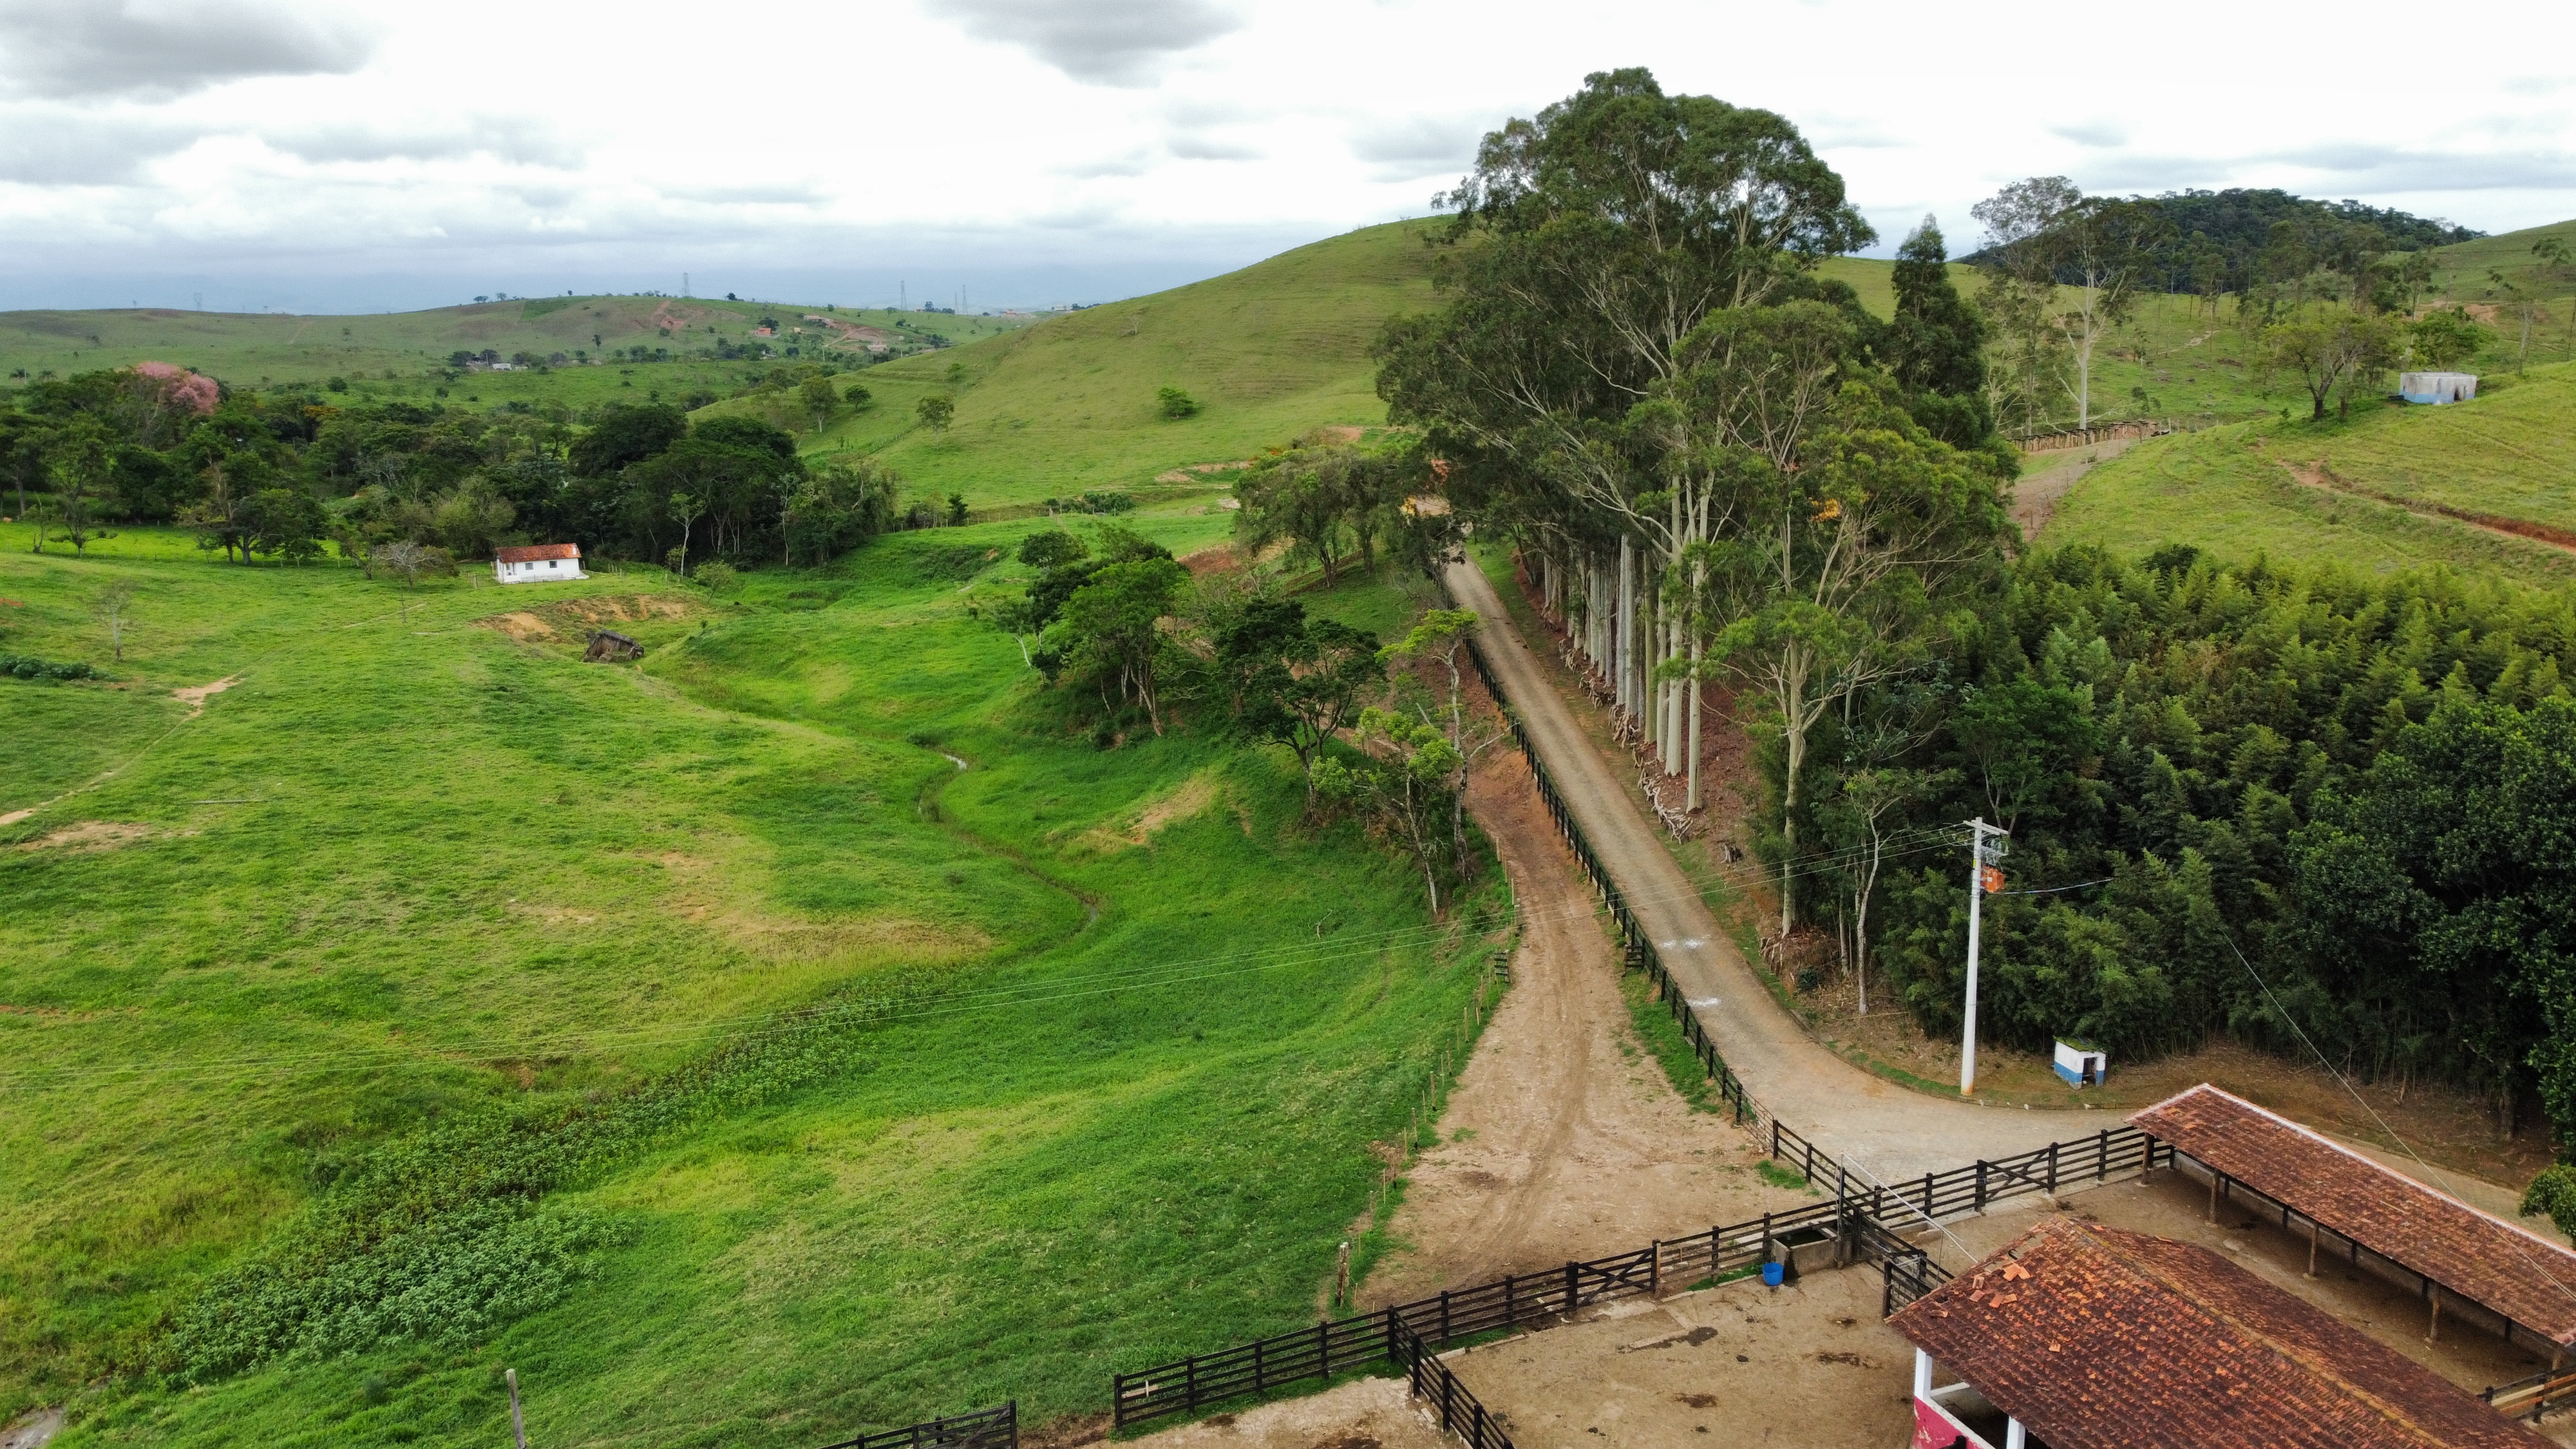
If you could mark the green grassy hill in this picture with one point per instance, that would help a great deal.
(400, 354)
(2464, 267)
(2383, 491)
(1070, 405)
(1106, 1034)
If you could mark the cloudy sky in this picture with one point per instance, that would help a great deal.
(359, 155)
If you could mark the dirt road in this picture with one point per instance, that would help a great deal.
(1871, 1124)
(1562, 1139)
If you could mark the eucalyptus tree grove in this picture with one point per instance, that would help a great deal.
(1638, 378)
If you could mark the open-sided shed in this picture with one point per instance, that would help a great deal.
(2463, 1261)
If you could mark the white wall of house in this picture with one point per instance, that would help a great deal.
(538, 571)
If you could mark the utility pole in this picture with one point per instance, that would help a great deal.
(1983, 880)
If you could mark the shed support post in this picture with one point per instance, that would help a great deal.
(2312, 1247)
(2433, 1321)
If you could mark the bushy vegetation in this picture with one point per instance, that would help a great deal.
(279, 474)
(2196, 761)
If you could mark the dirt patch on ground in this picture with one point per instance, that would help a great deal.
(1196, 471)
(90, 837)
(196, 695)
(1223, 558)
(572, 618)
(1194, 796)
(520, 625)
(1562, 1139)
(1809, 1364)
(1362, 1414)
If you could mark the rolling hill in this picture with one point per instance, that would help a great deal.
(2487, 487)
(401, 354)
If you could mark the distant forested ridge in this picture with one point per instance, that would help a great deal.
(2215, 240)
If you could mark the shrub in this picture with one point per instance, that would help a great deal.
(1176, 403)
(27, 666)
(718, 577)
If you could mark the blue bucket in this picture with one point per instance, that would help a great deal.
(1774, 1274)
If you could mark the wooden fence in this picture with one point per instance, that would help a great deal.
(1640, 948)
(1426, 1377)
(1866, 1220)
(2086, 437)
(996, 1428)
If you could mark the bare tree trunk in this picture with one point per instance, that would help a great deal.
(1696, 656)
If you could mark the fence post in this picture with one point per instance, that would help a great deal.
(1444, 1315)
(1511, 1310)
(1190, 1382)
(1324, 1347)
(1927, 1195)
(1571, 1268)
(2102, 1157)
(1775, 1137)
(1766, 1237)
(1260, 1383)
(1391, 1345)
(1981, 1184)
(1655, 1273)
(1811, 1161)
(2052, 1169)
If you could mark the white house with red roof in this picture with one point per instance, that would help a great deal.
(543, 563)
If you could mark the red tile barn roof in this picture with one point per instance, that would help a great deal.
(2505, 1268)
(537, 553)
(2095, 1338)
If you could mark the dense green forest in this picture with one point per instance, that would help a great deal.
(2234, 240)
(278, 474)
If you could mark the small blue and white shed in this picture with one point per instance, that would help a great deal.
(2081, 1063)
(2437, 387)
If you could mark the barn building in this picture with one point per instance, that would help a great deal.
(543, 563)
(2081, 1336)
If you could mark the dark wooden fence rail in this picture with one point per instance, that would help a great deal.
(1641, 952)
(1514, 1300)
(997, 1428)
(1460, 1411)
(1868, 1219)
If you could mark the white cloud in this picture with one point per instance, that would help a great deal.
(1102, 42)
(92, 49)
(1083, 146)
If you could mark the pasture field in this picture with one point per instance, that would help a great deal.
(986, 1080)
(402, 354)
(1070, 405)
(2340, 490)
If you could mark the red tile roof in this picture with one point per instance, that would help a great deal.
(536, 553)
(2100, 1339)
(2482, 1258)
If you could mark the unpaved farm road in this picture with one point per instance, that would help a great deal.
(1869, 1124)
(1562, 1140)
